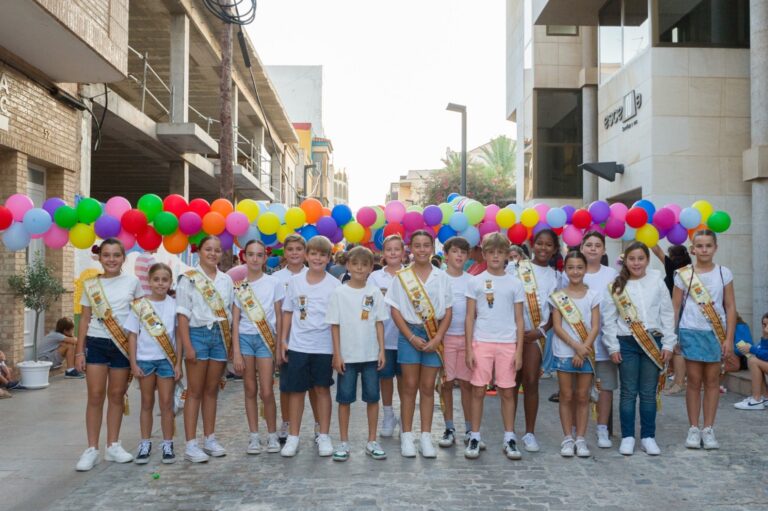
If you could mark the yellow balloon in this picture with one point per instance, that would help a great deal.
(82, 236)
(249, 208)
(268, 223)
(283, 232)
(647, 235)
(529, 217)
(295, 218)
(505, 218)
(354, 232)
(705, 208)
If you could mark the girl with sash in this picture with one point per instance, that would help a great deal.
(639, 333)
(576, 322)
(705, 304)
(539, 280)
(420, 300)
(203, 305)
(257, 305)
(102, 351)
(155, 362)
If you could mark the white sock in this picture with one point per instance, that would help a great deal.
(144, 441)
(192, 443)
(389, 412)
(70, 369)
(474, 435)
(509, 435)
(426, 436)
(210, 437)
(602, 427)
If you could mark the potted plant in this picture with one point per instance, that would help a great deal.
(39, 288)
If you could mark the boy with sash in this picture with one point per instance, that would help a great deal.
(306, 347)
(203, 305)
(421, 301)
(704, 301)
(576, 322)
(151, 327)
(102, 351)
(639, 332)
(493, 340)
(257, 305)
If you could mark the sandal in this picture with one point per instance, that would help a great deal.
(674, 389)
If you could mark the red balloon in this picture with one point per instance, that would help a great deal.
(199, 206)
(394, 228)
(134, 221)
(6, 218)
(517, 234)
(581, 219)
(149, 239)
(175, 204)
(636, 217)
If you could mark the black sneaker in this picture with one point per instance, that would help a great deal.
(473, 449)
(448, 439)
(168, 456)
(73, 373)
(555, 398)
(510, 449)
(234, 377)
(13, 385)
(145, 448)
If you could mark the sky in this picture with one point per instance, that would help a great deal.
(389, 70)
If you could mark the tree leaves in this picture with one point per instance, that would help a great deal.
(37, 286)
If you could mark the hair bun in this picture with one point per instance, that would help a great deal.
(95, 250)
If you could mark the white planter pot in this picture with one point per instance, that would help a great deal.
(34, 375)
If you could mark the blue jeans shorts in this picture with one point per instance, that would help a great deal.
(565, 365)
(407, 354)
(103, 352)
(252, 345)
(391, 366)
(346, 387)
(306, 370)
(699, 345)
(208, 343)
(162, 367)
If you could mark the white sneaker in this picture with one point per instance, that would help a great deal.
(88, 459)
(427, 447)
(273, 443)
(388, 425)
(472, 451)
(708, 438)
(193, 453)
(650, 446)
(693, 440)
(481, 444)
(116, 453)
(407, 449)
(749, 404)
(290, 447)
(530, 444)
(448, 439)
(603, 440)
(511, 451)
(582, 451)
(567, 448)
(324, 445)
(254, 446)
(213, 448)
(627, 447)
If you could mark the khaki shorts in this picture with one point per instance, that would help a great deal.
(608, 374)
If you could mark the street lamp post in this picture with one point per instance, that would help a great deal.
(306, 168)
(462, 109)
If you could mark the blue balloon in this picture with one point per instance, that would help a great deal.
(37, 221)
(308, 232)
(16, 237)
(279, 210)
(445, 233)
(273, 261)
(556, 217)
(342, 214)
(629, 234)
(458, 221)
(517, 208)
(452, 196)
(378, 238)
(648, 207)
(472, 235)
(690, 218)
(252, 234)
(269, 239)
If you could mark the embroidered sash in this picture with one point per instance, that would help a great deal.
(703, 299)
(154, 326)
(528, 279)
(214, 300)
(253, 310)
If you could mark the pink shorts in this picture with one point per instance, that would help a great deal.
(490, 356)
(454, 356)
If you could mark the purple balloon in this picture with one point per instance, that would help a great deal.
(433, 215)
(226, 240)
(600, 211)
(337, 236)
(540, 226)
(107, 226)
(677, 234)
(52, 204)
(569, 210)
(326, 226)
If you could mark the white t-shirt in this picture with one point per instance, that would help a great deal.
(546, 281)
(309, 304)
(383, 280)
(598, 282)
(357, 336)
(585, 304)
(191, 303)
(496, 296)
(284, 275)
(267, 290)
(120, 291)
(459, 286)
(147, 347)
(715, 282)
(438, 288)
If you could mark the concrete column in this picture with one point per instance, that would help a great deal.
(589, 120)
(178, 178)
(274, 173)
(86, 146)
(179, 68)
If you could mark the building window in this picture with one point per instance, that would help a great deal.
(624, 33)
(558, 143)
(715, 23)
(567, 30)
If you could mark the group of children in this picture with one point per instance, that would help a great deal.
(420, 326)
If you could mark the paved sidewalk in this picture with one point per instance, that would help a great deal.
(43, 435)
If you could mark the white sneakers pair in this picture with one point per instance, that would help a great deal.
(211, 448)
(291, 447)
(647, 445)
(114, 452)
(408, 447)
(569, 448)
(255, 447)
(696, 438)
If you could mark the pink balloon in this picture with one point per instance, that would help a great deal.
(237, 223)
(596, 228)
(675, 209)
(487, 227)
(56, 237)
(128, 239)
(116, 206)
(614, 228)
(394, 211)
(413, 221)
(366, 216)
(19, 204)
(664, 219)
(490, 213)
(619, 211)
(190, 223)
(572, 235)
(542, 209)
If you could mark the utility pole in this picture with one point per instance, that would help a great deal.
(462, 109)
(226, 146)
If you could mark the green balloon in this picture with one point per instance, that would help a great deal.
(195, 238)
(65, 217)
(474, 212)
(719, 221)
(380, 218)
(165, 223)
(447, 210)
(150, 204)
(88, 210)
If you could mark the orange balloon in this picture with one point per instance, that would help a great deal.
(693, 231)
(222, 207)
(326, 211)
(366, 235)
(313, 208)
(213, 223)
(176, 243)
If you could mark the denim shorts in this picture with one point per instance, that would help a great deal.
(699, 345)
(565, 365)
(252, 345)
(391, 366)
(407, 354)
(208, 343)
(346, 387)
(103, 352)
(162, 367)
(306, 370)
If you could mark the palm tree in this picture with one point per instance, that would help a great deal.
(499, 156)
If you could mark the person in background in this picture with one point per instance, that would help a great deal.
(141, 269)
(59, 346)
(339, 266)
(757, 362)
(476, 262)
(6, 378)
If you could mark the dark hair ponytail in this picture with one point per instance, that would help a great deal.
(621, 281)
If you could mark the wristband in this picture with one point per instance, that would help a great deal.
(79, 354)
(411, 337)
